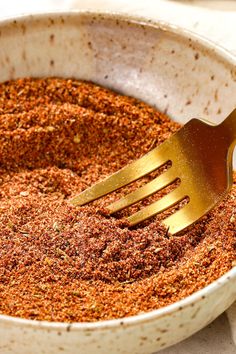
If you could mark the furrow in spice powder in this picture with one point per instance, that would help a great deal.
(61, 263)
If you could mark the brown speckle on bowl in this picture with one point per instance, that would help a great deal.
(52, 38)
(152, 60)
(68, 327)
(51, 21)
(143, 338)
(163, 330)
(195, 313)
(233, 74)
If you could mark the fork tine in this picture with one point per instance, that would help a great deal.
(157, 207)
(185, 217)
(137, 169)
(148, 189)
(182, 218)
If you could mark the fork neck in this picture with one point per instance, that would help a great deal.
(229, 125)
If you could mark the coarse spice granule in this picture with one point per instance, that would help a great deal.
(61, 263)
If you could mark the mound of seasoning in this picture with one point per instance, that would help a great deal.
(61, 263)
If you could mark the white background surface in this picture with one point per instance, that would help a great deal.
(213, 19)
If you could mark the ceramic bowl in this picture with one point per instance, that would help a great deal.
(165, 66)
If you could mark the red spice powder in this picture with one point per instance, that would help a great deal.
(61, 263)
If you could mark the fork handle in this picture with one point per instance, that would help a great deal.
(229, 124)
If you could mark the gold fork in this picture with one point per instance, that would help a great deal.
(201, 157)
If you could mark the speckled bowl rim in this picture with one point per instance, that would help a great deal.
(197, 296)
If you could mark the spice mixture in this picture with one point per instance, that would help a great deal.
(64, 263)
